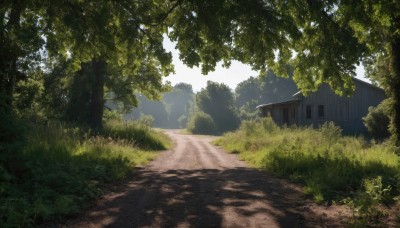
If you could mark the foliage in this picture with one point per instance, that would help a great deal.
(377, 120)
(11, 133)
(217, 101)
(113, 45)
(179, 102)
(322, 40)
(166, 112)
(246, 91)
(276, 89)
(154, 108)
(331, 167)
(137, 133)
(182, 121)
(184, 87)
(110, 115)
(201, 123)
(268, 88)
(146, 120)
(366, 201)
(248, 111)
(62, 167)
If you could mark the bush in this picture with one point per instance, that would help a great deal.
(182, 121)
(146, 120)
(377, 121)
(61, 168)
(332, 167)
(269, 125)
(201, 123)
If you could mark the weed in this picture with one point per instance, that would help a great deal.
(61, 168)
(332, 167)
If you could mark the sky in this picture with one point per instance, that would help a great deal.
(231, 76)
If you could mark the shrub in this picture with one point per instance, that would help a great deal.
(329, 165)
(201, 123)
(269, 125)
(366, 201)
(377, 121)
(182, 121)
(146, 120)
(62, 168)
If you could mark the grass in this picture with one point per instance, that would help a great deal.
(330, 166)
(60, 169)
(138, 134)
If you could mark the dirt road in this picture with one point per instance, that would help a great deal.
(198, 185)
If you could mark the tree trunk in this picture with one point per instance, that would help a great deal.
(9, 56)
(97, 96)
(394, 90)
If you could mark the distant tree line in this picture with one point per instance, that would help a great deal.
(171, 111)
(216, 108)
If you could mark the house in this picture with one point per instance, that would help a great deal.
(325, 106)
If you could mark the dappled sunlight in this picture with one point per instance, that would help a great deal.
(216, 198)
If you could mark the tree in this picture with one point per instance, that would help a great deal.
(156, 109)
(217, 101)
(247, 91)
(187, 88)
(201, 123)
(267, 89)
(179, 100)
(120, 44)
(121, 41)
(322, 40)
(377, 26)
(377, 120)
(276, 89)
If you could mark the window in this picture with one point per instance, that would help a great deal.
(308, 112)
(321, 111)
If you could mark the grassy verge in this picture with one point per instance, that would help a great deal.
(60, 169)
(332, 167)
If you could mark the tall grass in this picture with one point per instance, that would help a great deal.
(61, 168)
(136, 133)
(332, 167)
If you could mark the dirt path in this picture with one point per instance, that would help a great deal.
(198, 185)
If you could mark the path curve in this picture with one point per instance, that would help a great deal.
(196, 184)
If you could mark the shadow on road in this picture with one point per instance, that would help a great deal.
(205, 198)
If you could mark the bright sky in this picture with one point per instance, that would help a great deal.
(231, 76)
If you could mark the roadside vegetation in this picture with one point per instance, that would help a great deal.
(217, 109)
(332, 168)
(59, 168)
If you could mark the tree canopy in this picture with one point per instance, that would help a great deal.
(322, 40)
(217, 101)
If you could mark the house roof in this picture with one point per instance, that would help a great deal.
(278, 103)
(299, 95)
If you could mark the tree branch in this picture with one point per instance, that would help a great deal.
(177, 3)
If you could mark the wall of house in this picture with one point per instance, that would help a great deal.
(346, 112)
(276, 111)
